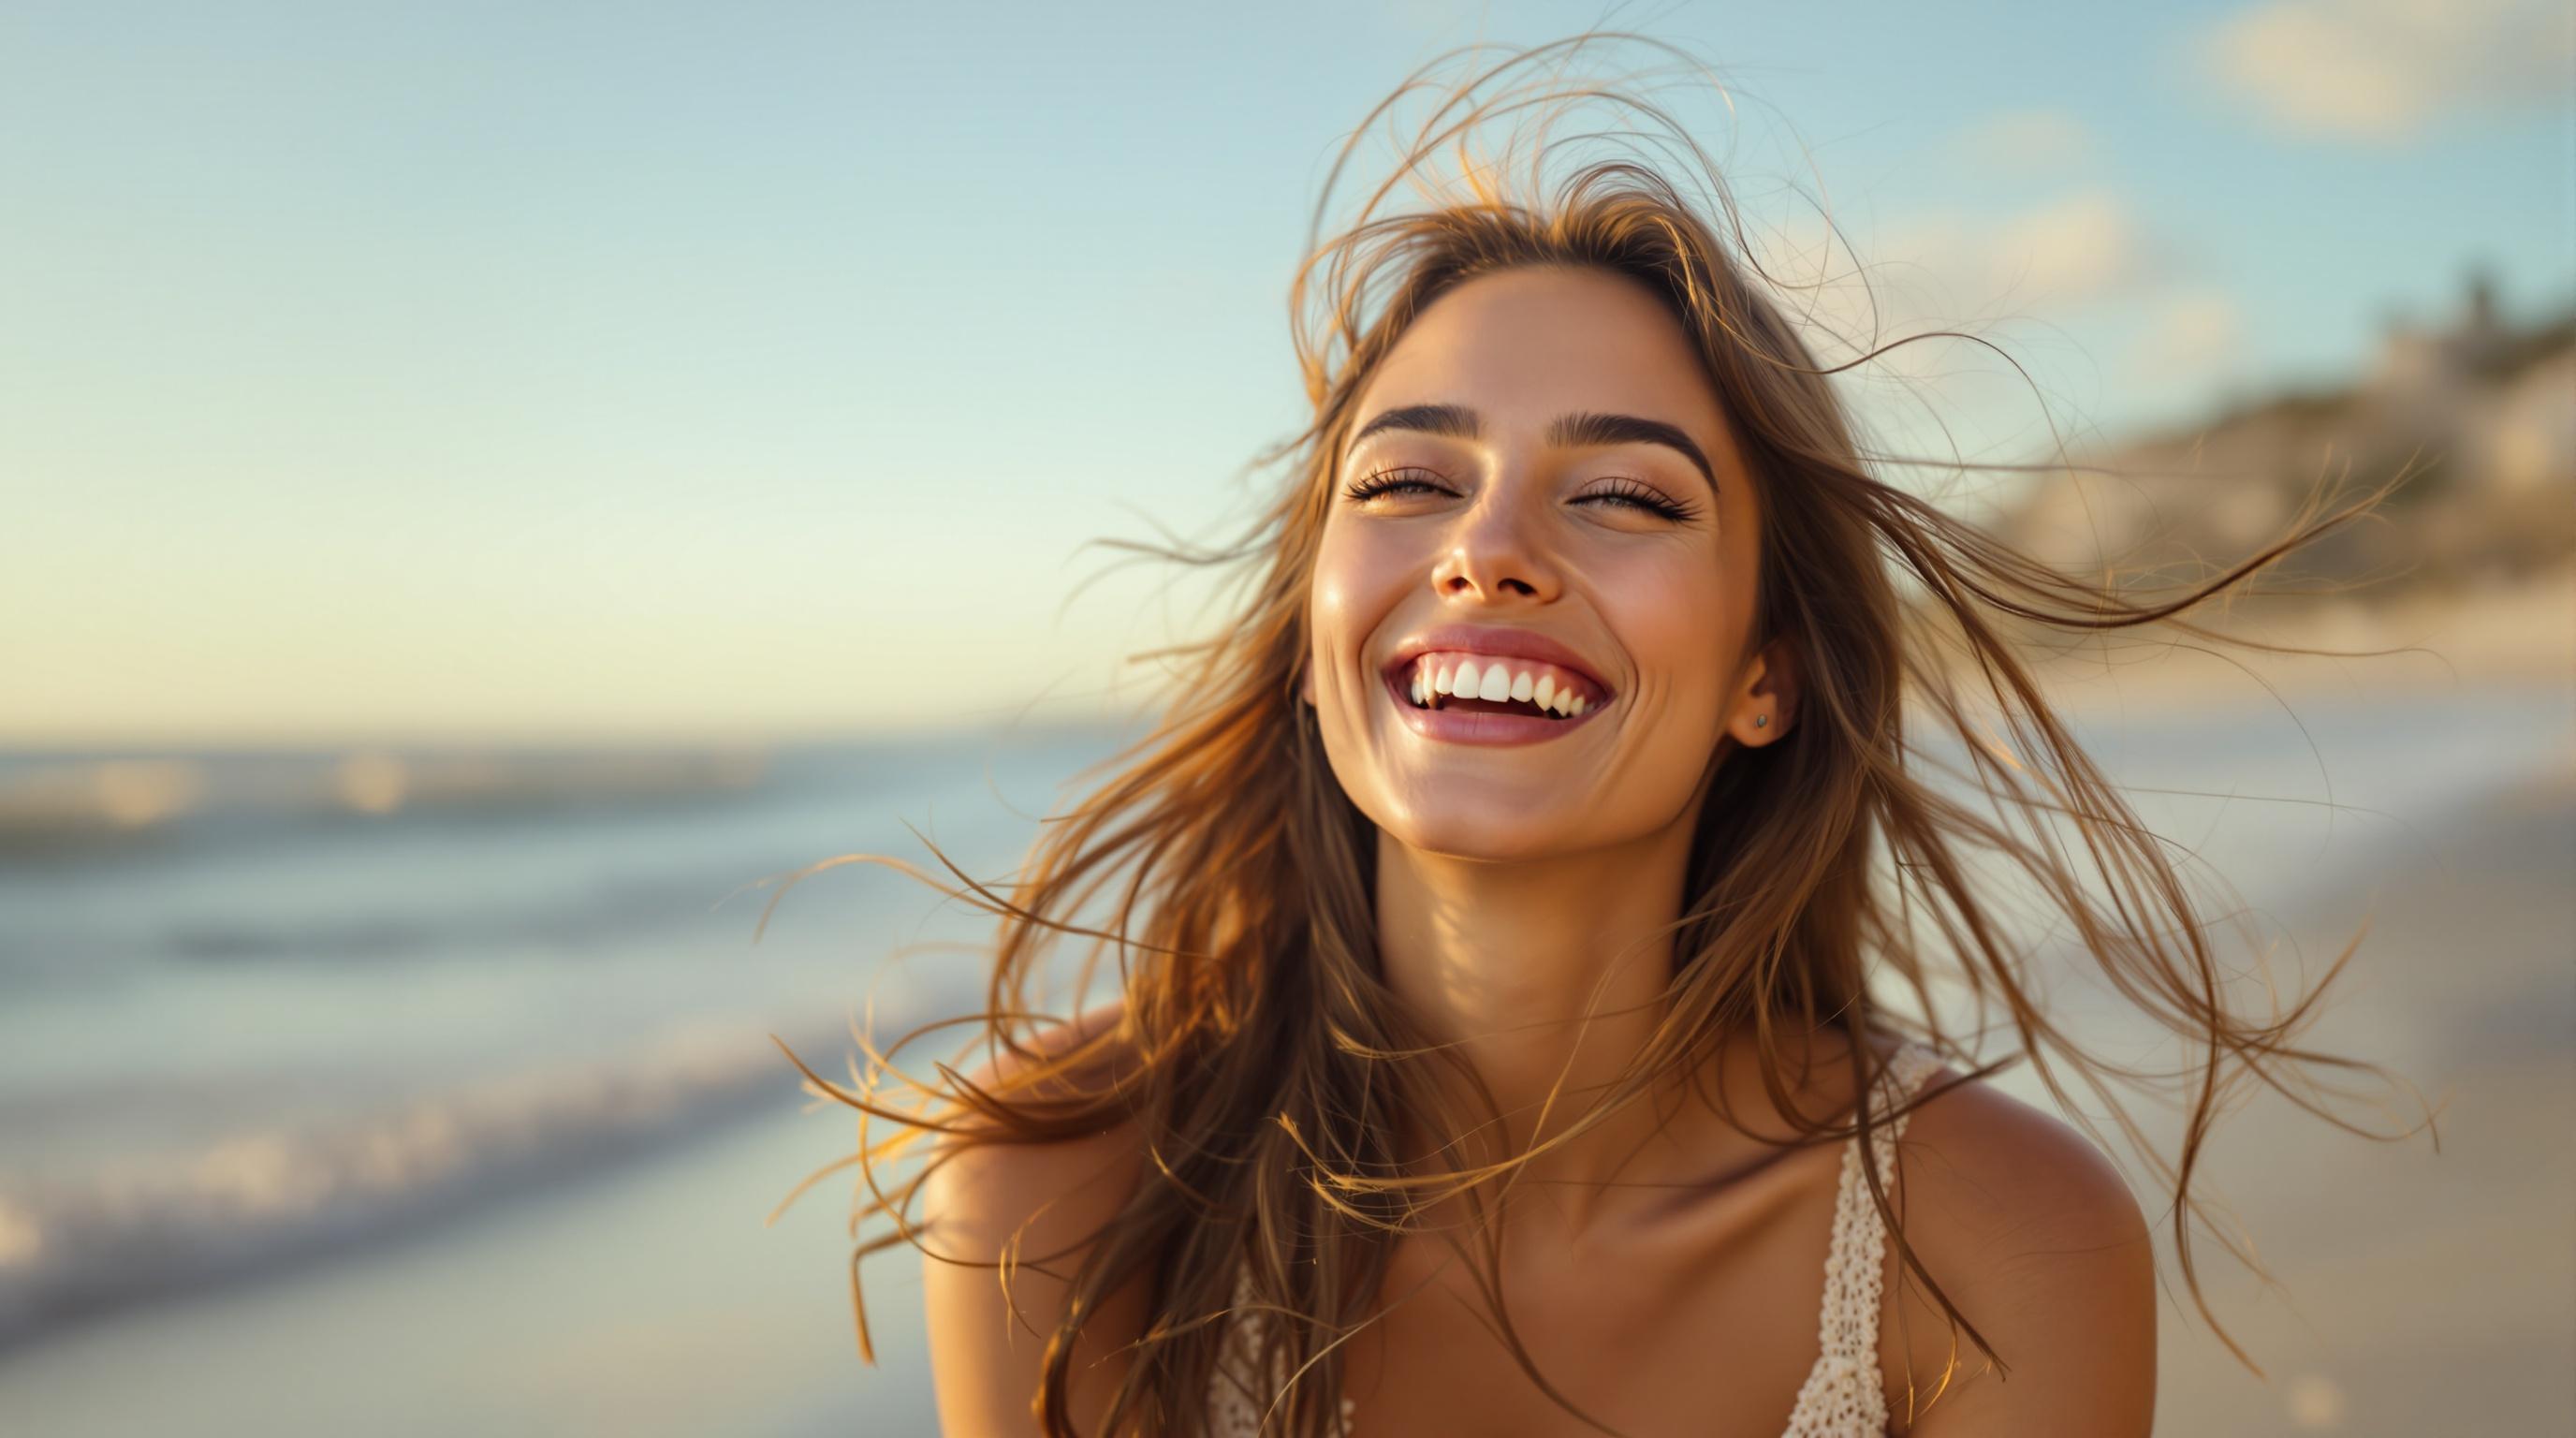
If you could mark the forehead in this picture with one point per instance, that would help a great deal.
(1526, 345)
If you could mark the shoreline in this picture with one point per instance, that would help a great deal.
(649, 1296)
(2517, 635)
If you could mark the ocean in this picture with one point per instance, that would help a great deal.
(258, 1007)
(418, 1092)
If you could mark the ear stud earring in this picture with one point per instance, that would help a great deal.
(1761, 721)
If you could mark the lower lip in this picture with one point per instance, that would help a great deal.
(1451, 726)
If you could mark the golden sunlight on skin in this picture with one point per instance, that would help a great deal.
(1527, 536)
(1523, 884)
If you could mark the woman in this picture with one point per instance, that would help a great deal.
(1508, 913)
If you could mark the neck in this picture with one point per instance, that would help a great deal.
(1547, 977)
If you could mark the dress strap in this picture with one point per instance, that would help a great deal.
(1243, 1391)
(1844, 1388)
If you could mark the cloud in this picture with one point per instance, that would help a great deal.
(2195, 337)
(2384, 71)
(2088, 304)
(1957, 269)
(2067, 252)
(2081, 248)
(2026, 142)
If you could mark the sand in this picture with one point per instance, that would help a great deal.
(2422, 1292)
(2516, 633)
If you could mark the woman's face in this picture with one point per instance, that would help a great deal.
(1522, 511)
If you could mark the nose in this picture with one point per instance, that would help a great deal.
(1492, 554)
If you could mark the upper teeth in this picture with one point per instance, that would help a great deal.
(1494, 679)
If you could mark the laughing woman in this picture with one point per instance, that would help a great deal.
(1528, 918)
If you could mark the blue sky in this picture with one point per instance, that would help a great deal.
(375, 372)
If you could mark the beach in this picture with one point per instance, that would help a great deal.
(2421, 1291)
(638, 1291)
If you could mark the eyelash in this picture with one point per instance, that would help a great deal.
(1625, 491)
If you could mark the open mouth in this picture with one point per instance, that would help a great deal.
(1491, 684)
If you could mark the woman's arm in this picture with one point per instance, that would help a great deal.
(2039, 1242)
(986, 1345)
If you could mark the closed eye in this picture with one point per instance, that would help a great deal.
(1619, 492)
(1390, 481)
(1633, 494)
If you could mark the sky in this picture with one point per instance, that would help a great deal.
(482, 373)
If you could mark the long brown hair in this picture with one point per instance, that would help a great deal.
(1259, 1054)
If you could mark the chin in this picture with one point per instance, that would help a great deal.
(1484, 832)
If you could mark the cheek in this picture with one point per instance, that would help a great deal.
(1676, 615)
(1357, 580)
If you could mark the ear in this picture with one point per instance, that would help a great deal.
(1767, 706)
(1306, 685)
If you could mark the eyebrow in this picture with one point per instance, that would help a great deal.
(1576, 430)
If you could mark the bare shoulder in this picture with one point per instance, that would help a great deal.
(1004, 1227)
(2001, 1171)
(2039, 1242)
(986, 1194)
(1049, 1045)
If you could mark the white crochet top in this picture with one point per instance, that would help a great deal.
(1842, 1397)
